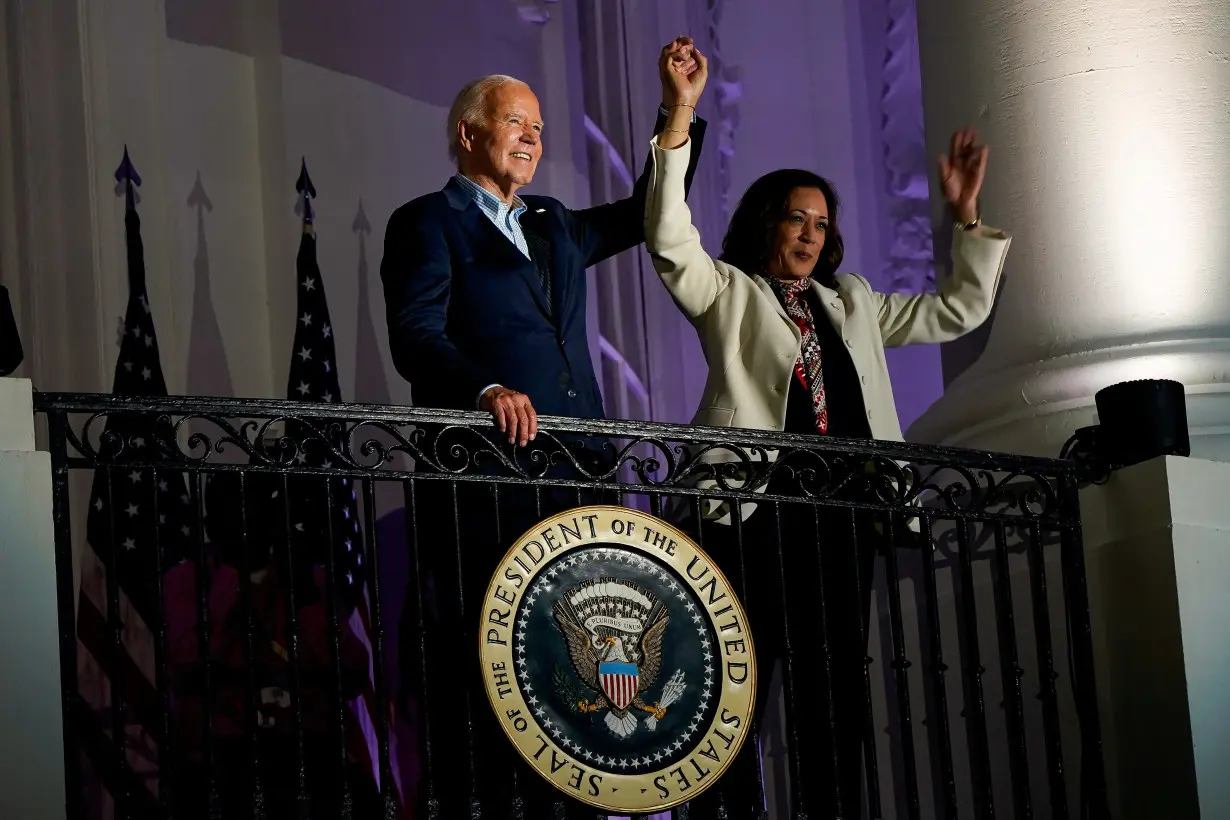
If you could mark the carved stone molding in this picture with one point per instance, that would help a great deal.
(910, 265)
(729, 92)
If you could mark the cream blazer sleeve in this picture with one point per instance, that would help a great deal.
(691, 276)
(962, 302)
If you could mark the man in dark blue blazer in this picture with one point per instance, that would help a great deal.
(485, 290)
(10, 343)
(485, 298)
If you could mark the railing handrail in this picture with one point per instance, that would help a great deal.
(60, 402)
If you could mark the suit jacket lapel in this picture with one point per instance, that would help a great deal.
(540, 254)
(769, 294)
(547, 227)
(833, 305)
(485, 238)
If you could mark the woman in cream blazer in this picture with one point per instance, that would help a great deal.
(752, 344)
(776, 322)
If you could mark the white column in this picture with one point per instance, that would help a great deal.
(32, 750)
(1110, 162)
(1156, 537)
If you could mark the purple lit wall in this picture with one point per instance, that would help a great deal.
(425, 51)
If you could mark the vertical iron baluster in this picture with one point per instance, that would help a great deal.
(409, 492)
(249, 652)
(799, 796)
(684, 811)
(559, 808)
(1080, 637)
(204, 649)
(166, 747)
(971, 674)
(655, 505)
(901, 665)
(518, 804)
(382, 693)
(70, 697)
(826, 647)
(935, 638)
(736, 521)
(1010, 673)
(698, 511)
(334, 628)
(1047, 674)
(303, 797)
(119, 730)
(476, 806)
(869, 725)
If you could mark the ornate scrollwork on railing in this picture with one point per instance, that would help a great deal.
(1024, 493)
(639, 457)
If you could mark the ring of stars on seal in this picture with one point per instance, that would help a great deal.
(617, 659)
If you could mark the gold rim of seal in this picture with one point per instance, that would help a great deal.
(731, 724)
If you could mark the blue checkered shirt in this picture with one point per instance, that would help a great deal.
(505, 217)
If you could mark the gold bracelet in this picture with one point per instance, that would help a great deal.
(677, 130)
(682, 105)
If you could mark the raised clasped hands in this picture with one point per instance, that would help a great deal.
(962, 170)
(684, 71)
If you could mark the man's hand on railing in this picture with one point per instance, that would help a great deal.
(513, 413)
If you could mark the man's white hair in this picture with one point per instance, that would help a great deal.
(470, 105)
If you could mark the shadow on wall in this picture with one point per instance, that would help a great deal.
(371, 385)
(208, 371)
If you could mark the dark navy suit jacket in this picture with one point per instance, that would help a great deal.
(465, 307)
(10, 343)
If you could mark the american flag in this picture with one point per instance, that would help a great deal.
(313, 377)
(139, 523)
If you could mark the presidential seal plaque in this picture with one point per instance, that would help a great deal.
(617, 659)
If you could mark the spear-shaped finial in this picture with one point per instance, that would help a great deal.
(307, 192)
(197, 198)
(360, 224)
(126, 176)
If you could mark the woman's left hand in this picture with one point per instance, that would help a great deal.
(962, 170)
(683, 70)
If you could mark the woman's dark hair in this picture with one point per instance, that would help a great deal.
(749, 239)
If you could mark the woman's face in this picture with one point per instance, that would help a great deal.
(800, 235)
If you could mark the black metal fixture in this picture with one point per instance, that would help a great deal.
(1138, 420)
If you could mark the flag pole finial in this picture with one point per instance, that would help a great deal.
(127, 178)
(307, 192)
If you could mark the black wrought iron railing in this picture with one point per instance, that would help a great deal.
(270, 609)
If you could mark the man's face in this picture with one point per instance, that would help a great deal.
(506, 146)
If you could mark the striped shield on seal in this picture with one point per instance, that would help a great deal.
(618, 682)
